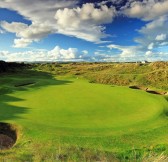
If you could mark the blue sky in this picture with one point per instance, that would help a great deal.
(77, 30)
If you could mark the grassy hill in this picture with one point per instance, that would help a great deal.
(153, 75)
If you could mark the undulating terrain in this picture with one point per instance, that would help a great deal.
(85, 111)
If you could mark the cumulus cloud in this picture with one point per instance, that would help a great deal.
(39, 10)
(56, 54)
(61, 54)
(154, 33)
(146, 9)
(20, 43)
(116, 53)
(84, 22)
(137, 53)
(14, 27)
(87, 13)
(57, 16)
(27, 34)
(156, 26)
(41, 15)
(125, 51)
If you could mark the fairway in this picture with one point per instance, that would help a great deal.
(73, 111)
(80, 107)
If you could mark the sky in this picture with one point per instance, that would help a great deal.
(84, 30)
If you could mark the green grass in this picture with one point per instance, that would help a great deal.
(59, 113)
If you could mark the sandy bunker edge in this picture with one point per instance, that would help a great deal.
(8, 135)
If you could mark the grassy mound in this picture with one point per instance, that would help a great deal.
(151, 74)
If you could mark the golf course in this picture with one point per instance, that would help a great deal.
(83, 80)
(67, 118)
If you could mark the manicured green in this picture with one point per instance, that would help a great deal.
(71, 111)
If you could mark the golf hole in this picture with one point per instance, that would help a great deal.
(8, 136)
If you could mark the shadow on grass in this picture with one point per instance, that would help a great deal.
(41, 79)
(166, 98)
(166, 110)
(8, 111)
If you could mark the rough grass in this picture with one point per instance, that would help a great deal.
(152, 74)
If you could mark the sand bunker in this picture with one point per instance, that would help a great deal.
(148, 90)
(24, 84)
(134, 87)
(154, 92)
(8, 136)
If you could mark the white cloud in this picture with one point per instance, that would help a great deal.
(36, 31)
(154, 33)
(38, 10)
(85, 52)
(126, 51)
(84, 22)
(87, 13)
(136, 53)
(164, 43)
(56, 54)
(55, 16)
(14, 27)
(146, 9)
(41, 15)
(3, 53)
(61, 54)
(151, 46)
(149, 53)
(161, 37)
(26, 34)
(156, 26)
(20, 43)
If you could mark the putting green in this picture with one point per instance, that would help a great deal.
(80, 108)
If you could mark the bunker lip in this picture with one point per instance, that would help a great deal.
(8, 136)
(134, 87)
(147, 90)
(24, 84)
